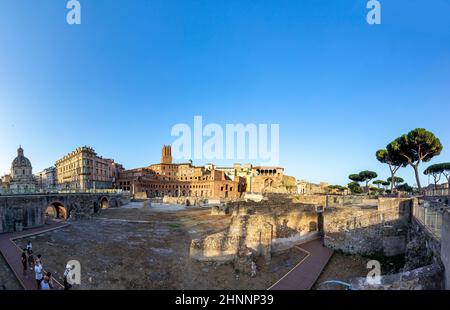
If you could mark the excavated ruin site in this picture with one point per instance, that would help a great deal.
(241, 244)
(144, 248)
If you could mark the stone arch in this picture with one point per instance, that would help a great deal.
(268, 182)
(104, 203)
(312, 226)
(57, 210)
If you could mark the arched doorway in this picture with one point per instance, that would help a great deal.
(104, 203)
(57, 210)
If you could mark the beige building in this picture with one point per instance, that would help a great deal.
(46, 179)
(261, 179)
(307, 188)
(83, 169)
(5, 181)
(237, 170)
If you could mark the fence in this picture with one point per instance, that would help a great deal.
(430, 218)
(438, 192)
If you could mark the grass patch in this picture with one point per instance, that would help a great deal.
(175, 226)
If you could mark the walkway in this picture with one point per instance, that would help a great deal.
(305, 274)
(12, 253)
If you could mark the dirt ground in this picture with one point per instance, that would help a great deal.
(141, 248)
(7, 279)
(342, 267)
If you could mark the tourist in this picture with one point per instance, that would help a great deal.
(38, 273)
(24, 262)
(67, 275)
(30, 260)
(50, 279)
(29, 247)
(39, 259)
(47, 282)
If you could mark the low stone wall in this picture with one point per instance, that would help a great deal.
(423, 248)
(445, 247)
(424, 278)
(334, 200)
(27, 211)
(191, 201)
(369, 230)
(256, 232)
(140, 196)
(253, 197)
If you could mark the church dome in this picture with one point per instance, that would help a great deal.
(20, 161)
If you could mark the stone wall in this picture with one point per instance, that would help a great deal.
(28, 211)
(423, 278)
(445, 247)
(186, 201)
(258, 232)
(422, 249)
(369, 230)
(335, 200)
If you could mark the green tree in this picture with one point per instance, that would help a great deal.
(379, 183)
(386, 184)
(355, 188)
(393, 160)
(405, 188)
(396, 180)
(436, 172)
(338, 188)
(356, 178)
(419, 145)
(446, 171)
(367, 176)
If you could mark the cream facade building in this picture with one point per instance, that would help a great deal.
(83, 169)
(307, 188)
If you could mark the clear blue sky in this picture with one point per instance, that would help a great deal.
(339, 88)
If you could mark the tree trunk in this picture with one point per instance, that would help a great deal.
(416, 171)
(392, 178)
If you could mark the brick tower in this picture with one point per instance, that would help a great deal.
(166, 157)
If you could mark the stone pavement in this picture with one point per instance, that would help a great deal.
(305, 274)
(12, 253)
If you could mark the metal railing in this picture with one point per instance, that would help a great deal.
(430, 218)
(438, 192)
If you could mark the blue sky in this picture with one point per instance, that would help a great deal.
(339, 88)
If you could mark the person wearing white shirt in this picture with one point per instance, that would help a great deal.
(38, 274)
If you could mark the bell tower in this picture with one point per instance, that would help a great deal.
(166, 157)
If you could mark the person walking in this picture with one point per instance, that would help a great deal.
(29, 247)
(30, 260)
(67, 275)
(47, 283)
(24, 260)
(38, 274)
(39, 259)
